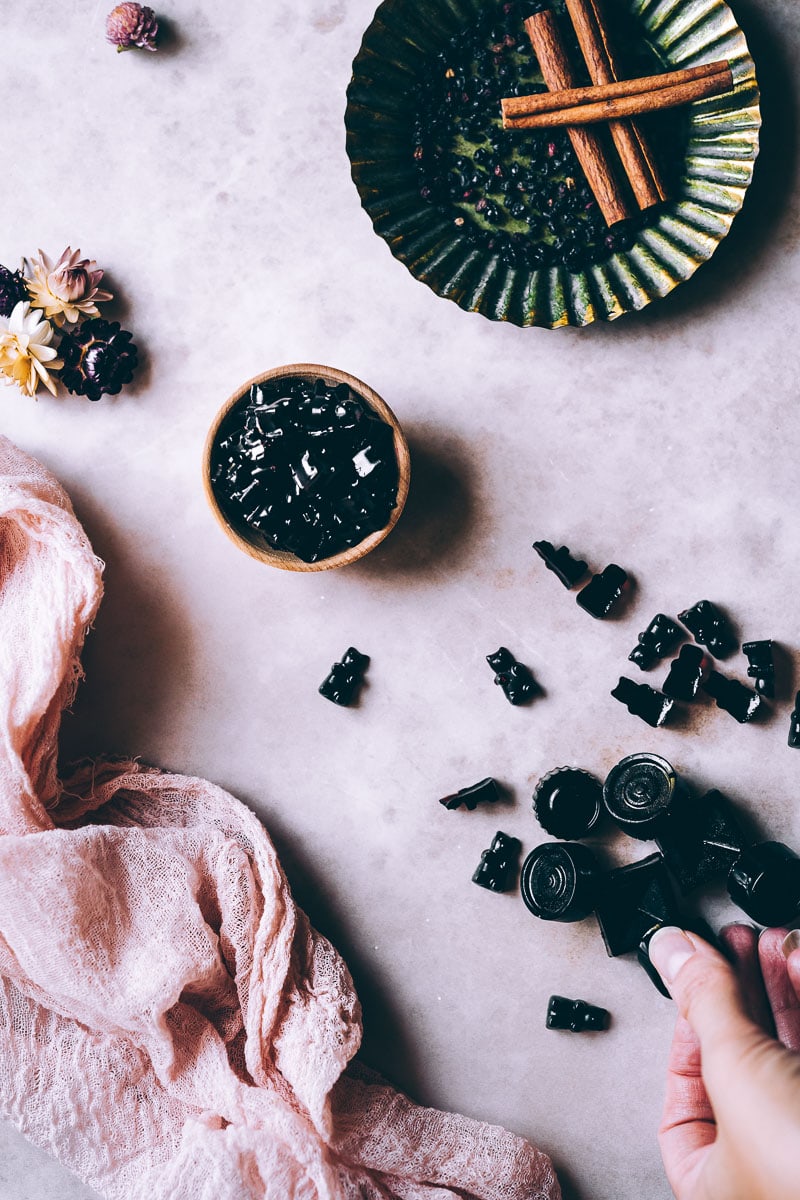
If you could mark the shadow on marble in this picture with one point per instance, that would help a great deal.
(137, 651)
(441, 512)
(171, 39)
(389, 1045)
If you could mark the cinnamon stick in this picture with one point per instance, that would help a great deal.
(618, 107)
(525, 106)
(558, 74)
(632, 147)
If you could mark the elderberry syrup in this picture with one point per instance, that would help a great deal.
(305, 467)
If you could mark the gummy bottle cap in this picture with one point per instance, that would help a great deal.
(559, 881)
(568, 802)
(639, 793)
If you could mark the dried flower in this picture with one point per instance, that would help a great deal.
(99, 358)
(12, 290)
(25, 348)
(130, 25)
(67, 290)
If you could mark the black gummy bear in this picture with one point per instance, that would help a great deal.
(568, 569)
(794, 725)
(484, 792)
(513, 677)
(568, 802)
(602, 591)
(559, 881)
(578, 1016)
(709, 627)
(733, 697)
(685, 674)
(761, 666)
(498, 864)
(643, 701)
(702, 847)
(633, 899)
(765, 882)
(345, 678)
(659, 639)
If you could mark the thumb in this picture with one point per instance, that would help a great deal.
(709, 996)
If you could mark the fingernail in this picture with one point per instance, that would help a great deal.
(791, 942)
(670, 948)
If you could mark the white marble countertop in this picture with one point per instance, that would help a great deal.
(211, 181)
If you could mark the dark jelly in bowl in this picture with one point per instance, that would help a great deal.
(306, 468)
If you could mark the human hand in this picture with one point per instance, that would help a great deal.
(731, 1123)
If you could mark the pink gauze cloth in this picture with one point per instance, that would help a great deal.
(171, 1027)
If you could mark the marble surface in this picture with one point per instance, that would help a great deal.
(211, 181)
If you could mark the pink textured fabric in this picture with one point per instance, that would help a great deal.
(171, 1027)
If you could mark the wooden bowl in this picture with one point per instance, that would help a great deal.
(250, 543)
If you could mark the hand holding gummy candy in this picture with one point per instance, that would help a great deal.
(731, 1123)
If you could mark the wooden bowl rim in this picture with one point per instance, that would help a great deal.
(282, 559)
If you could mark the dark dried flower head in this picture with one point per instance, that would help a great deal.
(12, 290)
(130, 25)
(98, 357)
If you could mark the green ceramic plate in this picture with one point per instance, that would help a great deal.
(721, 145)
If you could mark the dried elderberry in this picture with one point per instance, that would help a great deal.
(578, 1016)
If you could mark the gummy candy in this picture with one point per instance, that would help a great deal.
(513, 677)
(761, 666)
(685, 674)
(643, 794)
(602, 591)
(702, 846)
(643, 701)
(484, 792)
(559, 881)
(631, 900)
(660, 637)
(794, 726)
(576, 1015)
(498, 864)
(567, 803)
(765, 882)
(568, 569)
(709, 627)
(345, 678)
(733, 697)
